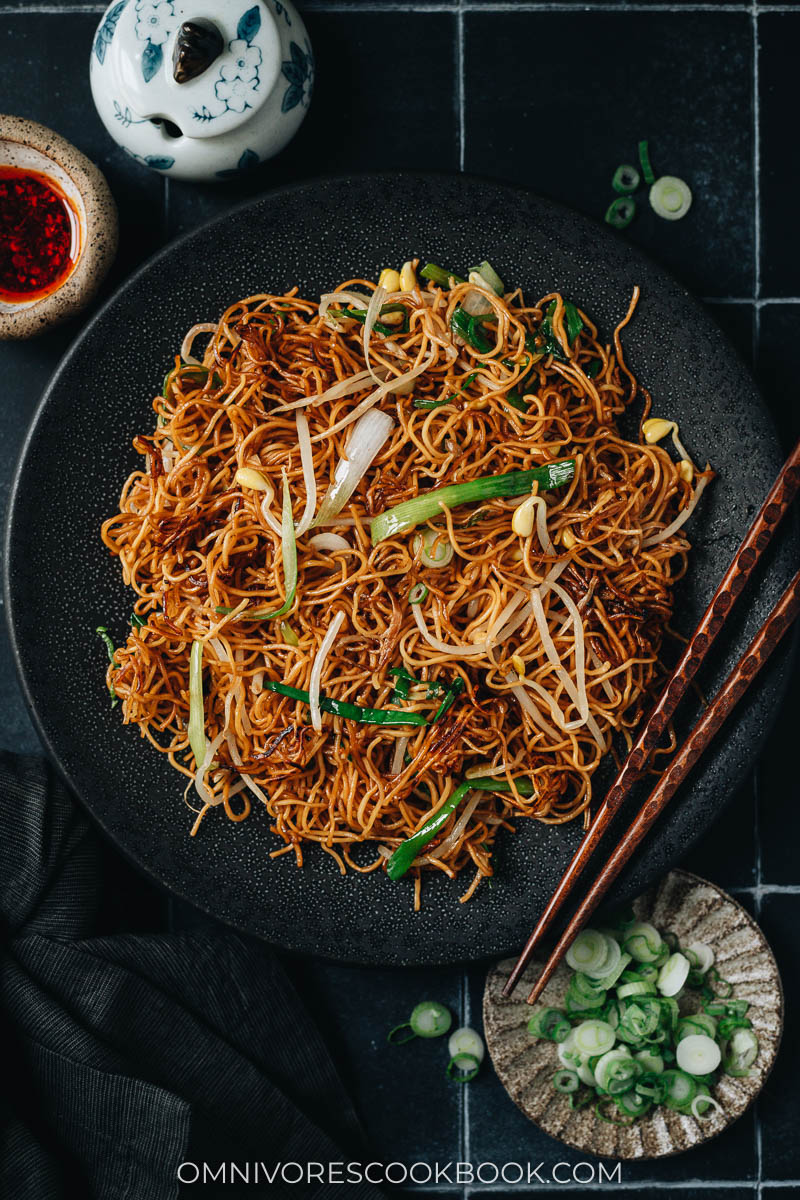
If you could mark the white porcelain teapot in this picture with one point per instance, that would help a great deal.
(201, 89)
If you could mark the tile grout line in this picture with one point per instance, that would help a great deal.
(756, 188)
(758, 891)
(457, 6)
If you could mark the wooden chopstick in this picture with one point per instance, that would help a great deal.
(732, 690)
(733, 581)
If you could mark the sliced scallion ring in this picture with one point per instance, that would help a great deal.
(400, 1034)
(704, 956)
(589, 951)
(681, 1088)
(466, 1041)
(417, 594)
(643, 942)
(612, 960)
(698, 1054)
(430, 1019)
(462, 1068)
(566, 1081)
(594, 1037)
(706, 1102)
(567, 1053)
(672, 975)
(696, 1023)
(651, 1061)
(626, 179)
(549, 1023)
(740, 1052)
(639, 988)
(670, 198)
(621, 212)
(633, 1103)
(434, 548)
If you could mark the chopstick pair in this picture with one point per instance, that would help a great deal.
(744, 561)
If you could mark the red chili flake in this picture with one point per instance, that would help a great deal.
(39, 235)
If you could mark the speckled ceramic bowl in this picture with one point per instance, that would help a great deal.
(695, 910)
(31, 146)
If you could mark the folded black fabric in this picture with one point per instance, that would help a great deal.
(130, 1055)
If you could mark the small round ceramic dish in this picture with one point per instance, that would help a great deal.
(695, 910)
(67, 197)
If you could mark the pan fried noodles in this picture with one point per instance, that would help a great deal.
(399, 577)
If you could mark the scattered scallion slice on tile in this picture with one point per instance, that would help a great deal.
(626, 179)
(644, 159)
(670, 198)
(621, 212)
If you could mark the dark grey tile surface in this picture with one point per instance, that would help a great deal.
(359, 115)
(780, 173)
(25, 368)
(779, 1103)
(410, 1111)
(777, 365)
(738, 322)
(562, 123)
(726, 851)
(555, 96)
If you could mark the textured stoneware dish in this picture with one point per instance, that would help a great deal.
(31, 146)
(696, 911)
(315, 235)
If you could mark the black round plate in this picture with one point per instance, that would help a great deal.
(61, 583)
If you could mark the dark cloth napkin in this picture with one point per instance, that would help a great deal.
(126, 1056)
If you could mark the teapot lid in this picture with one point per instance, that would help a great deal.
(225, 53)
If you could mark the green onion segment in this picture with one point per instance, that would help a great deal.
(289, 546)
(644, 159)
(466, 1041)
(434, 548)
(514, 483)
(621, 212)
(197, 717)
(489, 277)
(440, 276)
(462, 1068)
(670, 198)
(626, 179)
(353, 712)
(417, 594)
(429, 1019)
(469, 326)
(421, 402)
(360, 315)
(623, 1042)
(104, 634)
(407, 851)
(455, 690)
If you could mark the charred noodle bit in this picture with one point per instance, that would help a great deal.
(490, 400)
